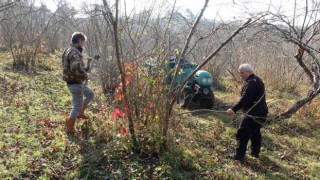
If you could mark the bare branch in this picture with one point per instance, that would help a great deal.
(186, 46)
(210, 57)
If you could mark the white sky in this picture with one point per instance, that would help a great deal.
(226, 9)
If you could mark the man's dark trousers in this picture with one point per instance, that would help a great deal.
(249, 129)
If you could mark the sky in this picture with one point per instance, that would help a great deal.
(221, 9)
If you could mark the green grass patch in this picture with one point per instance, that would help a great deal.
(33, 144)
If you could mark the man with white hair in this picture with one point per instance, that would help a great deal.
(253, 104)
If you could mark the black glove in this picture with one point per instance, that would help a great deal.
(96, 57)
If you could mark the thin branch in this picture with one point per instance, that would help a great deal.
(246, 24)
(193, 29)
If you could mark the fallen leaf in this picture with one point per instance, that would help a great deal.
(151, 105)
(123, 131)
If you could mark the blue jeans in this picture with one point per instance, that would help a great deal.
(77, 91)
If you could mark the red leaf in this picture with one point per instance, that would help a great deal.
(119, 95)
(127, 79)
(123, 131)
(151, 105)
(117, 111)
(115, 114)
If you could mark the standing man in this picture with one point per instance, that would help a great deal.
(253, 103)
(75, 75)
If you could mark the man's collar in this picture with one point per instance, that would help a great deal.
(78, 48)
(250, 77)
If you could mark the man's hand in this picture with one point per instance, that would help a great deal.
(230, 112)
(96, 57)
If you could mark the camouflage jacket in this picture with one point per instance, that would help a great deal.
(74, 70)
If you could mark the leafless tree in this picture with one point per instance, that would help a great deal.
(131, 46)
(301, 30)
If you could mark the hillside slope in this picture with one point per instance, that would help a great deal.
(33, 143)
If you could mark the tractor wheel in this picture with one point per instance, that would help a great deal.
(207, 103)
(212, 97)
(184, 99)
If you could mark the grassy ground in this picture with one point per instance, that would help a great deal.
(33, 144)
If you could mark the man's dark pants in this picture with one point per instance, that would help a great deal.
(249, 129)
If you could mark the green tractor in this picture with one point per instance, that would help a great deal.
(197, 89)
